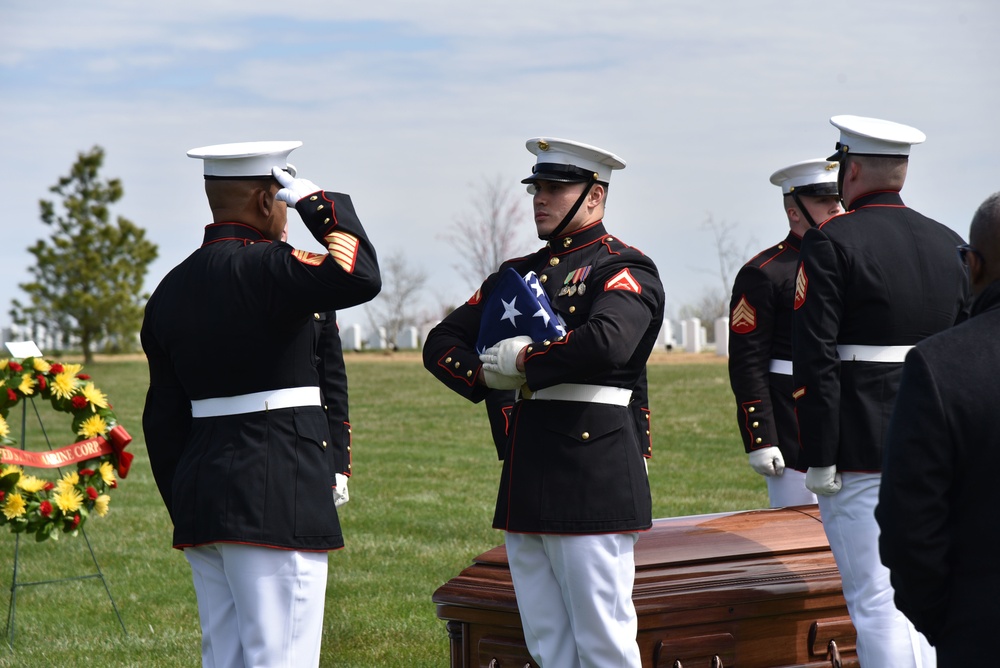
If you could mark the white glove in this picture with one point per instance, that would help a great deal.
(498, 381)
(292, 189)
(340, 493)
(767, 461)
(824, 480)
(501, 357)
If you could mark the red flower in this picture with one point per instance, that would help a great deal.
(45, 509)
(91, 493)
(76, 520)
(11, 395)
(86, 472)
(2, 494)
(14, 366)
(114, 484)
(41, 382)
(49, 486)
(79, 402)
(83, 376)
(57, 368)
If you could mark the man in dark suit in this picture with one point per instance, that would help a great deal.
(574, 491)
(937, 503)
(760, 339)
(872, 282)
(233, 421)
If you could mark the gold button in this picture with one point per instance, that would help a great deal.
(319, 208)
(781, 246)
(314, 198)
(325, 407)
(447, 360)
(585, 435)
(567, 241)
(326, 220)
(572, 309)
(647, 432)
(468, 373)
(553, 261)
(324, 444)
(348, 447)
(348, 466)
(316, 316)
(751, 409)
(756, 424)
(759, 440)
(611, 238)
(529, 349)
(647, 416)
(458, 364)
(543, 278)
(546, 342)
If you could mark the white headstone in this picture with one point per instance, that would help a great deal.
(376, 340)
(350, 338)
(407, 339)
(722, 337)
(693, 333)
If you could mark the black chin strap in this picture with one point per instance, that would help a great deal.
(803, 210)
(569, 215)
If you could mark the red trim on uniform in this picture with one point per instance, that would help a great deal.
(476, 297)
(746, 424)
(449, 367)
(181, 546)
(775, 256)
(544, 349)
(649, 436)
(350, 454)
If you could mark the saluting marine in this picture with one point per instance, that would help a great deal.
(760, 342)
(873, 282)
(234, 421)
(573, 491)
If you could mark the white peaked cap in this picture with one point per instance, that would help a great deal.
(800, 175)
(873, 136)
(249, 159)
(567, 160)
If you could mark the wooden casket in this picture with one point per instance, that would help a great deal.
(747, 589)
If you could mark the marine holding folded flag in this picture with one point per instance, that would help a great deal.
(573, 491)
(234, 422)
(873, 282)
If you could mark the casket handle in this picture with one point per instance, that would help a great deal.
(496, 664)
(834, 654)
(716, 663)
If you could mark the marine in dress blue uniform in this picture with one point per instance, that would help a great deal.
(760, 341)
(872, 282)
(573, 489)
(234, 423)
(936, 510)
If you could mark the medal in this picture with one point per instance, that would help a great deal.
(581, 289)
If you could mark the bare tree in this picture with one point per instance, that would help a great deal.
(398, 304)
(491, 233)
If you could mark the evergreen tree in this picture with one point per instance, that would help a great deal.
(88, 275)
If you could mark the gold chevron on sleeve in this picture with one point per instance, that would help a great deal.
(344, 249)
(305, 257)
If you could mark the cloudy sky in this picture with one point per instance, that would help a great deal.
(411, 106)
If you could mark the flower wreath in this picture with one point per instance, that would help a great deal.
(33, 505)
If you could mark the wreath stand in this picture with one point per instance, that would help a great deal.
(12, 609)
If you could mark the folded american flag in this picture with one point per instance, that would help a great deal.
(518, 306)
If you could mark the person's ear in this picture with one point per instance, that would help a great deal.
(793, 215)
(265, 201)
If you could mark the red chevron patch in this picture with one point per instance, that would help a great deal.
(623, 280)
(801, 283)
(475, 298)
(743, 319)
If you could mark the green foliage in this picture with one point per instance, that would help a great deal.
(422, 495)
(88, 275)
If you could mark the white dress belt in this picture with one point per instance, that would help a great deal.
(784, 367)
(855, 353)
(255, 402)
(595, 394)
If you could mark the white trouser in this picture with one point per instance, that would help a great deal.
(259, 606)
(789, 489)
(574, 594)
(885, 636)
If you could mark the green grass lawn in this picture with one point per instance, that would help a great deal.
(422, 493)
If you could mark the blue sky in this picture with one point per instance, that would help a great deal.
(406, 106)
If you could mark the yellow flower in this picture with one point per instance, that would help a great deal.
(27, 386)
(69, 499)
(41, 365)
(93, 426)
(63, 385)
(14, 506)
(94, 396)
(12, 468)
(72, 369)
(3, 364)
(107, 472)
(101, 505)
(4, 428)
(68, 481)
(31, 484)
